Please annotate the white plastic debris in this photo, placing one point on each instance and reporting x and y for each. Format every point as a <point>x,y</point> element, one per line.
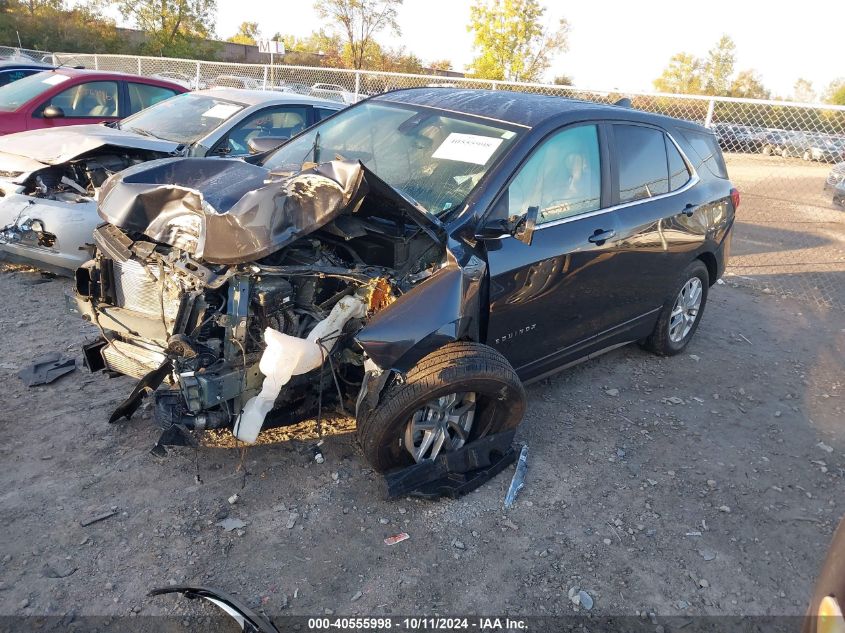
<point>518,480</point>
<point>287,356</point>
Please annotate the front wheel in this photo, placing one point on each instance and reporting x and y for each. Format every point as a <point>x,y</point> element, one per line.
<point>681,312</point>
<point>458,393</point>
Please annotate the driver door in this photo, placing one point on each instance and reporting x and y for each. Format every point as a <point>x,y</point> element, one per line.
<point>284,121</point>
<point>551,298</point>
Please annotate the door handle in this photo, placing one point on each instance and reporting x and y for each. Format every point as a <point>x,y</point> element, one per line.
<point>600,236</point>
<point>689,210</point>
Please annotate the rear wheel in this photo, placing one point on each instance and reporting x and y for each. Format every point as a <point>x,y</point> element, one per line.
<point>681,312</point>
<point>767,150</point>
<point>457,394</point>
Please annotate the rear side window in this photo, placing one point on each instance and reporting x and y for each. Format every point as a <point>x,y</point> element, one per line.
<point>707,148</point>
<point>323,113</point>
<point>9,76</point>
<point>144,95</point>
<point>678,172</point>
<point>641,156</point>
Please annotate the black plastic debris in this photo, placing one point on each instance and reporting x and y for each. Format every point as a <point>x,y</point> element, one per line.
<point>248,619</point>
<point>455,473</point>
<point>46,369</point>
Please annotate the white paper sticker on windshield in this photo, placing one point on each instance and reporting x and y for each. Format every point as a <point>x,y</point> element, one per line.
<point>467,148</point>
<point>221,111</point>
<point>54,80</point>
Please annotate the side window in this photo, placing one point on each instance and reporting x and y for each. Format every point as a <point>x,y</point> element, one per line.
<point>13,75</point>
<point>641,154</point>
<point>678,172</point>
<point>144,95</point>
<point>277,121</point>
<point>562,177</point>
<point>323,113</point>
<point>95,99</point>
<point>707,148</point>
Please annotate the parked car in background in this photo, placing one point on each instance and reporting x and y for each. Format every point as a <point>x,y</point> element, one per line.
<point>824,148</point>
<point>836,176</point>
<point>49,179</point>
<point>430,249</point>
<point>738,138</point>
<point>784,143</point>
<point>334,92</point>
<point>235,81</point>
<point>70,96</point>
<point>188,81</point>
<point>14,68</point>
<point>839,193</point>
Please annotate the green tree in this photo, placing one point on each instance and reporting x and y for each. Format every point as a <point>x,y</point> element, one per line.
<point>683,75</point>
<point>359,21</point>
<point>511,40</point>
<point>719,67</point>
<point>248,33</point>
<point>747,85</point>
<point>318,49</point>
<point>176,28</point>
<point>835,92</point>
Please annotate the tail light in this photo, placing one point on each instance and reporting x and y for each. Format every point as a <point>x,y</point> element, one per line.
<point>735,197</point>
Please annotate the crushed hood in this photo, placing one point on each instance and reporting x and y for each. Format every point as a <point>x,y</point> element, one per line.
<point>35,149</point>
<point>226,211</point>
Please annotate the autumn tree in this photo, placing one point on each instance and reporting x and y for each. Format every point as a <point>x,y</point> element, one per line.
<point>359,21</point>
<point>747,85</point>
<point>440,65</point>
<point>248,33</point>
<point>563,80</point>
<point>683,75</point>
<point>177,28</point>
<point>835,92</point>
<point>512,41</point>
<point>803,91</point>
<point>718,67</point>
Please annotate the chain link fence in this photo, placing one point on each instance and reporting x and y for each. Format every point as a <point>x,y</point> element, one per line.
<point>787,159</point>
<point>26,54</point>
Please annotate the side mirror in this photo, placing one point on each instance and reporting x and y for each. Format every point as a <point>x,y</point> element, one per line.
<point>52,112</point>
<point>523,230</point>
<point>261,144</point>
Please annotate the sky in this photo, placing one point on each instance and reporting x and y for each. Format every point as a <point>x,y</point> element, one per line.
<point>612,45</point>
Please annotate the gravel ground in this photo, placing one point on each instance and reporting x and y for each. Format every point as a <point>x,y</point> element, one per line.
<point>708,483</point>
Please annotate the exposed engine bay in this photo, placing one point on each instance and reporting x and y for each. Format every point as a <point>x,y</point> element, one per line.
<point>235,342</point>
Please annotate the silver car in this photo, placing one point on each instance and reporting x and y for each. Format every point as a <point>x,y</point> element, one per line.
<point>50,179</point>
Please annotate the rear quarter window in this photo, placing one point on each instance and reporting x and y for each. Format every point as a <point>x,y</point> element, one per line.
<point>706,146</point>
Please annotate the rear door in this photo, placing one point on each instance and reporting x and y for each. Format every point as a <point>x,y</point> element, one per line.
<point>659,226</point>
<point>550,299</point>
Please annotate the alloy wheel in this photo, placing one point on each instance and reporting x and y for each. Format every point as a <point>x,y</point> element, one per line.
<point>685,311</point>
<point>442,424</point>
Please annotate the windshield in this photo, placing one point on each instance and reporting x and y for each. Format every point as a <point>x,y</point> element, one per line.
<point>184,118</point>
<point>434,157</point>
<point>17,93</point>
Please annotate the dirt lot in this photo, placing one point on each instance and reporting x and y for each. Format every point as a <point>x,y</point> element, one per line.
<point>707,483</point>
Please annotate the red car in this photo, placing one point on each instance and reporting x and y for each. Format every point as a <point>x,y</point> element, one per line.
<point>68,96</point>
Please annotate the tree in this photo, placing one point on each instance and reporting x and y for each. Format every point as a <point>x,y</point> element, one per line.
<point>747,85</point>
<point>359,21</point>
<point>835,92</point>
<point>719,66</point>
<point>511,40</point>
<point>440,65</point>
<point>318,49</point>
<point>248,33</point>
<point>683,75</point>
<point>563,80</point>
<point>803,91</point>
<point>176,28</point>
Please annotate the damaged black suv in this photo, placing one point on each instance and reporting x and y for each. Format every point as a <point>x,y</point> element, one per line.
<point>414,258</point>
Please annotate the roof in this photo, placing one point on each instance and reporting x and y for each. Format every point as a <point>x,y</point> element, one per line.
<point>260,97</point>
<point>22,63</point>
<point>107,74</point>
<point>520,108</point>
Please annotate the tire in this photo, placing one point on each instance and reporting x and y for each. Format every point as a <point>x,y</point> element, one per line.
<point>457,368</point>
<point>661,340</point>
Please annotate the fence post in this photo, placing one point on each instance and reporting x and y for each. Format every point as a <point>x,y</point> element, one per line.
<point>264,85</point>
<point>357,84</point>
<point>197,80</point>
<point>492,85</point>
<point>139,65</point>
<point>710,107</point>
<point>96,62</point>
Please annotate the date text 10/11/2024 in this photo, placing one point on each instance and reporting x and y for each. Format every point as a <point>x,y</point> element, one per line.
<point>419,623</point>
